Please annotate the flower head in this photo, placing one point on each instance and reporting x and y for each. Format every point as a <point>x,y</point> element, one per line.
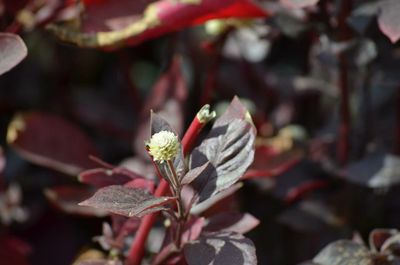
<point>163,146</point>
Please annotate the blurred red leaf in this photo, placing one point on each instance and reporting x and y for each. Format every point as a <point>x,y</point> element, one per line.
<point>101,177</point>
<point>14,251</point>
<point>12,51</point>
<point>66,198</point>
<point>137,21</point>
<point>51,142</point>
<point>270,162</point>
<point>13,6</point>
<point>389,19</point>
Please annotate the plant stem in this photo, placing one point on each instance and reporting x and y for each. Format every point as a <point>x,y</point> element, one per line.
<point>202,118</point>
<point>136,252</point>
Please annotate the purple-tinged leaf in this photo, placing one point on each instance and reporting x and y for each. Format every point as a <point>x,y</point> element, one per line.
<point>220,249</point>
<point>101,177</point>
<point>141,183</point>
<point>229,148</point>
<point>236,110</point>
<point>389,19</point>
<point>66,198</point>
<point>344,252</point>
<point>211,202</point>
<point>12,51</point>
<point>298,3</point>
<point>231,222</point>
<point>192,174</point>
<point>51,142</point>
<point>126,201</point>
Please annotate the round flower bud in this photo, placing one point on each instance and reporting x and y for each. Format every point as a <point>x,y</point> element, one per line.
<point>163,146</point>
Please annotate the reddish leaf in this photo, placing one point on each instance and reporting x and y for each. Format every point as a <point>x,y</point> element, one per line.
<point>229,148</point>
<point>145,20</point>
<point>14,251</point>
<point>101,177</point>
<point>232,222</point>
<point>126,201</point>
<point>221,200</point>
<point>389,19</point>
<point>12,51</point>
<point>51,142</point>
<point>66,198</point>
<point>192,174</point>
<point>141,183</point>
<point>299,3</point>
<point>220,249</point>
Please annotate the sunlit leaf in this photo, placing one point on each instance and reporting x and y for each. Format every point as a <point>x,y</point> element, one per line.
<point>126,201</point>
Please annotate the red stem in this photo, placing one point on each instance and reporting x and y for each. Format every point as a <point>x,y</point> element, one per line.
<point>137,249</point>
<point>191,135</point>
<point>298,192</point>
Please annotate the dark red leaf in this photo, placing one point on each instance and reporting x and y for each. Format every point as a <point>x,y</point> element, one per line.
<point>12,51</point>
<point>66,198</point>
<point>232,222</point>
<point>14,251</point>
<point>51,142</point>
<point>220,249</point>
<point>126,201</point>
<point>141,183</point>
<point>101,177</point>
<point>192,174</point>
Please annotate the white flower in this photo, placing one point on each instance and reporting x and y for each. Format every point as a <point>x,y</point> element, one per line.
<point>163,146</point>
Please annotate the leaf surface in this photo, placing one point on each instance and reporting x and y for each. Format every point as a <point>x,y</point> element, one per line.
<point>220,249</point>
<point>51,141</point>
<point>12,51</point>
<point>126,201</point>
